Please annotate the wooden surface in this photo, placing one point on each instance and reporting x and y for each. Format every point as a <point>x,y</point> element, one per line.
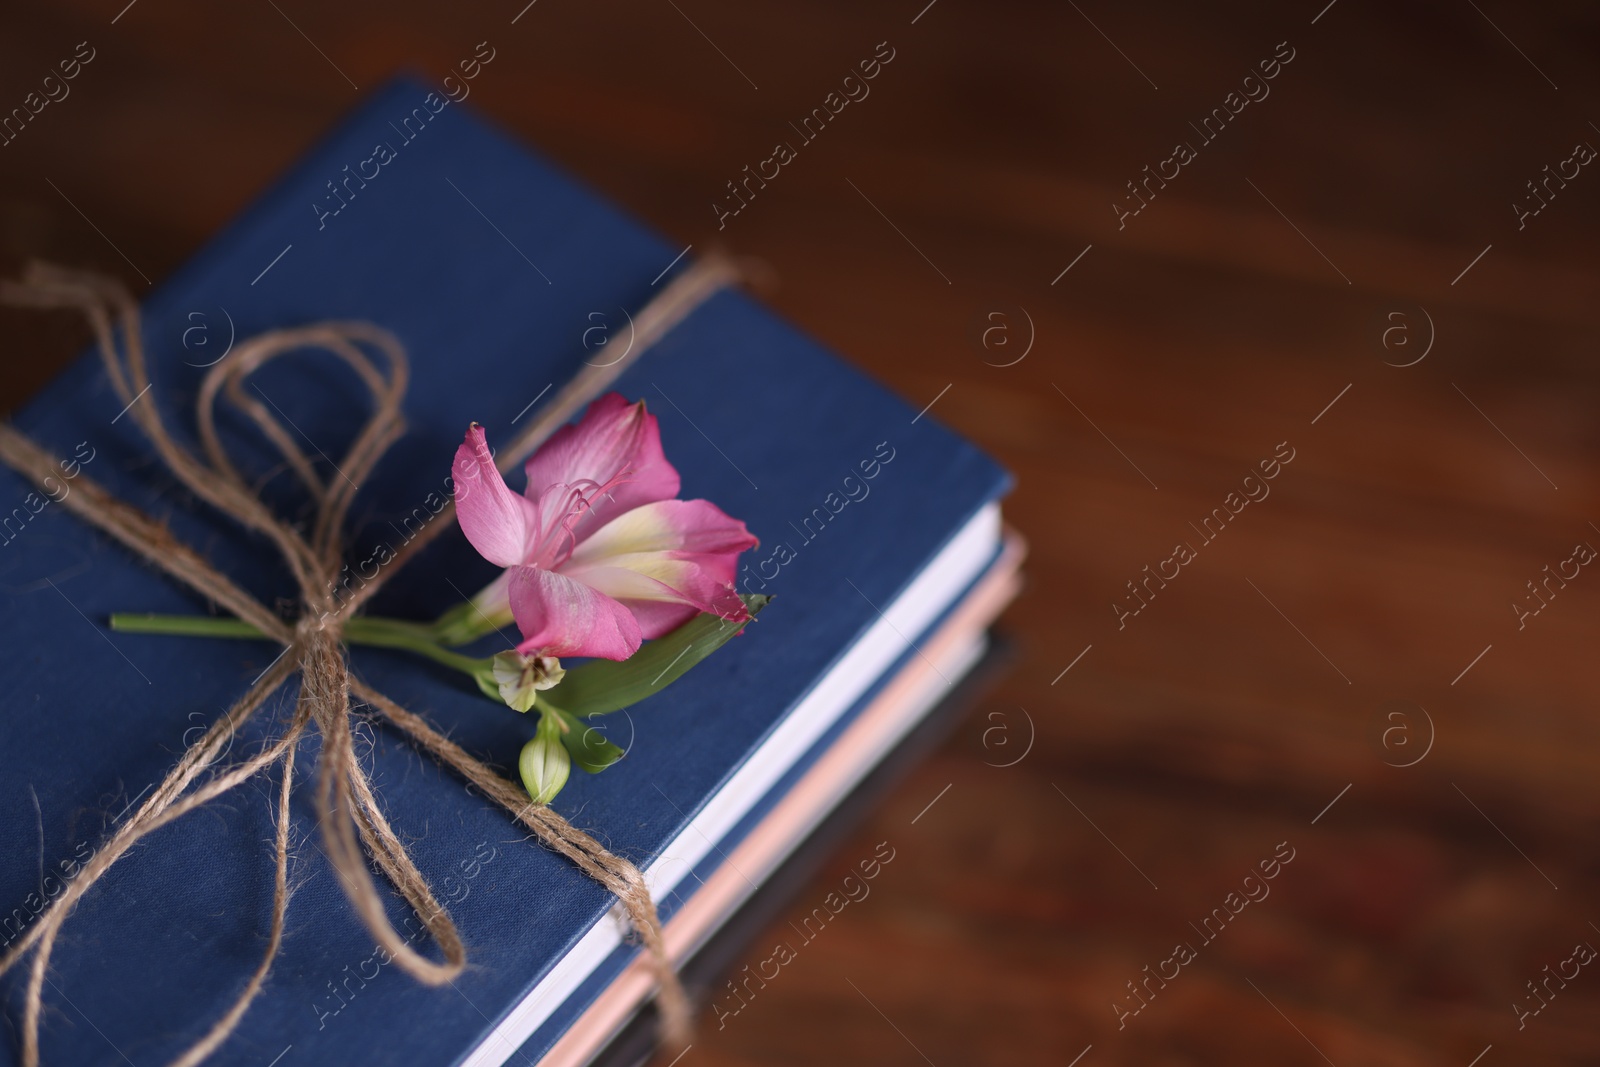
<point>1220,321</point>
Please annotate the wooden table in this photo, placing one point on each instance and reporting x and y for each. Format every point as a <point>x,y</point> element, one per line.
<point>1341,270</point>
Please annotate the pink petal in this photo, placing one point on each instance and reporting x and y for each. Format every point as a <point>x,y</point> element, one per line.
<point>674,592</point>
<point>666,561</point>
<point>614,440</point>
<point>562,617</point>
<point>657,618</point>
<point>675,526</point>
<point>501,525</point>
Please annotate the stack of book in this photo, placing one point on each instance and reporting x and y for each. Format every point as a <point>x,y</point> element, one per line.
<point>881,543</point>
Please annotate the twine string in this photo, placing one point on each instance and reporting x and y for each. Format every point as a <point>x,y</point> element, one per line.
<point>351,823</point>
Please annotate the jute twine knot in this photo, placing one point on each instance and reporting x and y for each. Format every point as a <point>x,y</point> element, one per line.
<point>354,831</point>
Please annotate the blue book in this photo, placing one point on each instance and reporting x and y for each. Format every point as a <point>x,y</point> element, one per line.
<point>490,265</point>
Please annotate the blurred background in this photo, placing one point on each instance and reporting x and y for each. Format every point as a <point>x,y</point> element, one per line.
<point>1378,260</point>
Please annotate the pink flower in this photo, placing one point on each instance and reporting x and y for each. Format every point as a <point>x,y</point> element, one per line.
<point>599,554</point>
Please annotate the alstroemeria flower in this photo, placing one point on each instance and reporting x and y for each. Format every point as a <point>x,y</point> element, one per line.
<point>599,554</point>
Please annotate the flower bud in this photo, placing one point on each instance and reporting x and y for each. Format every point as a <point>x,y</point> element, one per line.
<point>519,676</point>
<point>545,764</point>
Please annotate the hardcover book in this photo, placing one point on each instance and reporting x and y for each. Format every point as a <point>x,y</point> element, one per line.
<point>493,268</point>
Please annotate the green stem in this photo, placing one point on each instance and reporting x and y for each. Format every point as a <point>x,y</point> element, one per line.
<point>396,633</point>
<point>370,630</point>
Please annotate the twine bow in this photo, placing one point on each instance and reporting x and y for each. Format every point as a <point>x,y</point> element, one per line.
<point>351,822</point>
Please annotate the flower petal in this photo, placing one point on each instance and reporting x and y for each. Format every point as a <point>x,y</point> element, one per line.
<point>559,616</point>
<point>614,440</point>
<point>672,593</point>
<point>657,618</point>
<point>666,561</point>
<point>501,525</point>
<point>697,527</point>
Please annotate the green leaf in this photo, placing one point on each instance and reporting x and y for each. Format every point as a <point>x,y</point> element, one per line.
<point>603,686</point>
<point>587,746</point>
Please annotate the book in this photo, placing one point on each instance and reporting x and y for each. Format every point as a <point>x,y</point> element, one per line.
<point>733,941</point>
<point>796,810</point>
<point>489,264</point>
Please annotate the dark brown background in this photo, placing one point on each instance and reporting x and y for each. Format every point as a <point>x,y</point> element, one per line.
<point>1197,338</point>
